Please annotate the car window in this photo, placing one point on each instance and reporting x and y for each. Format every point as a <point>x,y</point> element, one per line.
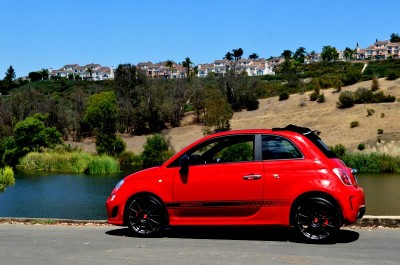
<point>277,147</point>
<point>227,149</point>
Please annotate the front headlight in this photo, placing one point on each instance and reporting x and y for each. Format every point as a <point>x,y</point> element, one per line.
<point>119,184</point>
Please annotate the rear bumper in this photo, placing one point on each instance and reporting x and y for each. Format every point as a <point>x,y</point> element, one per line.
<point>353,207</point>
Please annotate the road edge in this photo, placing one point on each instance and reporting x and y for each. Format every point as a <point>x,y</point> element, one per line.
<point>366,221</point>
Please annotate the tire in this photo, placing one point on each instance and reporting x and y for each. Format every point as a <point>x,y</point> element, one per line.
<point>316,219</point>
<point>146,216</point>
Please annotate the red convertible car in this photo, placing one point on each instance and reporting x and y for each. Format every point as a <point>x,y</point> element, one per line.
<point>282,176</point>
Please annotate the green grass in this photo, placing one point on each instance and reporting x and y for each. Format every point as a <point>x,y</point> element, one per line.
<point>372,162</point>
<point>69,162</point>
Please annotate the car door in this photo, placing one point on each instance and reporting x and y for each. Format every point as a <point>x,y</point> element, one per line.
<point>222,180</point>
<point>285,169</point>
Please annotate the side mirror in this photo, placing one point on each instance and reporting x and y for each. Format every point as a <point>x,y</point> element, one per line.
<point>185,162</point>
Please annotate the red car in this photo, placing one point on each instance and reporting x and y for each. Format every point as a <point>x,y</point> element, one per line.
<point>283,176</point>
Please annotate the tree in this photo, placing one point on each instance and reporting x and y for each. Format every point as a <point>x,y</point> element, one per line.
<point>10,75</point>
<point>102,114</point>
<point>35,76</point>
<point>90,71</point>
<point>394,37</point>
<point>287,54</point>
<point>45,74</point>
<point>228,56</point>
<point>187,63</point>
<point>329,53</point>
<point>253,56</point>
<point>237,54</point>
<point>348,53</point>
<point>218,113</point>
<point>300,55</point>
<point>30,135</point>
<point>155,151</point>
<point>8,81</point>
<point>170,65</point>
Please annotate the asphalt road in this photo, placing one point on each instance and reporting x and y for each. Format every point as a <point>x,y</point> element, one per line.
<point>54,244</point>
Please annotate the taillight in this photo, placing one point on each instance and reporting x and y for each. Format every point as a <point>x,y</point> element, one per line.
<point>343,176</point>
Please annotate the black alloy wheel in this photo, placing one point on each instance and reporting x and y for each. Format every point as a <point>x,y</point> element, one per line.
<point>316,220</point>
<point>146,216</point>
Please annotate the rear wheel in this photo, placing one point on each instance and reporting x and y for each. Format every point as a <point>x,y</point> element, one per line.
<point>316,219</point>
<point>146,216</point>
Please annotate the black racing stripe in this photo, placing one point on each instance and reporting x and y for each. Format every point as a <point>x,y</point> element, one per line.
<point>244,204</point>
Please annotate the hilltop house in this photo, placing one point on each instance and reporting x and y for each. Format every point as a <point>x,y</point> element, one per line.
<point>161,70</point>
<point>251,67</point>
<point>380,50</point>
<point>88,72</point>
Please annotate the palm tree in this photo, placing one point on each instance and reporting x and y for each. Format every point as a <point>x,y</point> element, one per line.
<point>170,65</point>
<point>228,56</point>
<point>237,53</point>
<point>253,56</point>
<point>187,63</point>
<point>90,71</point>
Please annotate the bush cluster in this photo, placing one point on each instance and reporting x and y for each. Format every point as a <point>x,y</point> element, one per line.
<point>354,124</point>
<point>6,178</point>
<point>72,162</point>
<point>347,99</point>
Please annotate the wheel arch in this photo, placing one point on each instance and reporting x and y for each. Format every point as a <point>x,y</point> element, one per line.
<point>125,217</point>
<point>311,194</point>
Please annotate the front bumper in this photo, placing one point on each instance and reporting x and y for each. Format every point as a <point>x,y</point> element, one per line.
<point>115,211</point>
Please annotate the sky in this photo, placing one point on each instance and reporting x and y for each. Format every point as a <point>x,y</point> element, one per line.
<point>44,34</point>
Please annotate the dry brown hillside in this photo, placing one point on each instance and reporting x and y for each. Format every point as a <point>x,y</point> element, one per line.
<point>334,123</point>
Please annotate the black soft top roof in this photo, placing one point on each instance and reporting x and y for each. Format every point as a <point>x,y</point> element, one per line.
<point>312,136</point>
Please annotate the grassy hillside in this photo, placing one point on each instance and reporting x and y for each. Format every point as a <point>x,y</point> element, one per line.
<point>334,123</point>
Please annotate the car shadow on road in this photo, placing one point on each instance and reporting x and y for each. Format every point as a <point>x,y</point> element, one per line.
<point>241,233</point>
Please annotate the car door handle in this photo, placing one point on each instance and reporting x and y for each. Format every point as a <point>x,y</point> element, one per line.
<point>251,177</point>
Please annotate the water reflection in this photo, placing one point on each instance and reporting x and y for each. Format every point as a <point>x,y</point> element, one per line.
<point>382,192</point>
<point>69,196</point>
<point>78,196</point>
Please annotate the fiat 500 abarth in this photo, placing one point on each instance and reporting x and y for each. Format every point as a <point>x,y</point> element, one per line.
<point>281,176</point>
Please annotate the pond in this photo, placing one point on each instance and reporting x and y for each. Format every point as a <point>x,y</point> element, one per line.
<point>83,197</point>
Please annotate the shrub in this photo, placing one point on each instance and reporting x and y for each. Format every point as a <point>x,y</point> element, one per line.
<point>363,95</point>
<point>346,99</point>
<point>380,131</point>
<point>6,178</point>
<point>252,104</point>
<point>71,162</point>
<point>313,96</point>
<point>370,112</point>
<point>129,158</point>
<point>321,98</point>
<point>284,95</point>
<point>382,115</point>
<point>361,147</point>
<point>102,165</point>
<point>354,124</point>
<point>372,162</point>
<point>393,75</point>
<point>339,150</point>
<point>351,78</point>
<point>375,83</point>
<point>155,151</point>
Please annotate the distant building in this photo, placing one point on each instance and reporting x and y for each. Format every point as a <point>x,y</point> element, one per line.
<point>251,67</point>
<point>92,71</point>
<point>380,50</point>
<point>161,70</point>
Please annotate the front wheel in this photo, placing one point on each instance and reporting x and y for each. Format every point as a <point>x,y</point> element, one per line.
<point>146,216</point>
<point>316,219</point>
